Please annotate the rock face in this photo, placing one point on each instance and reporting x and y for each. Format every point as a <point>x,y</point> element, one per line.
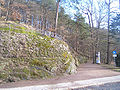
<point>25,54</point>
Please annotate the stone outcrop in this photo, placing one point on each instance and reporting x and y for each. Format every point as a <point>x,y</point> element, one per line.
<point>25,54</point>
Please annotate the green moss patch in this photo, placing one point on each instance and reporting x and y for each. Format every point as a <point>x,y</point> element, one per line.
<point>29,55</point>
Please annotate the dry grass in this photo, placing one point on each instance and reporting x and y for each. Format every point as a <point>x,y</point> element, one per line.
<point>112,67</point>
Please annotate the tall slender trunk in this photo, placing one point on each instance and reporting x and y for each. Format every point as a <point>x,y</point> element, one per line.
<point>93,43</point>
<point>92,29</point>
<point>57,11</point>
<point>25,17</point>
<point>108,41</point>
<point>90,49</point>
<point>42,26</point>
<point>7,14</point>
<point>40,23</point>
<point>32,21</point>
<point>96,42</point>
<point>76,42</point>
<point>91,25</point>
<point>0,10</point>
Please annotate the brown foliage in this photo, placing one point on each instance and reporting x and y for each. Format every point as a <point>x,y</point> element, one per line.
<point>51,29</point>
<point>15,8</point>
<point>2,2</point>
<point>16,16</point>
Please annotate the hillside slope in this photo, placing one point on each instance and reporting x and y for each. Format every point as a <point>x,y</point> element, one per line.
<point>25,54</point>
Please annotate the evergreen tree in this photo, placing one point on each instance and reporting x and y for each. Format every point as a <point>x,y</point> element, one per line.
<point>115,25</point>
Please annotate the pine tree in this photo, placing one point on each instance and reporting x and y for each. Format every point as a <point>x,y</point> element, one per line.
<point>115,25</point>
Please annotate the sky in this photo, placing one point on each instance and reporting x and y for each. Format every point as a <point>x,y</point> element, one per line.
<point>71,11</point>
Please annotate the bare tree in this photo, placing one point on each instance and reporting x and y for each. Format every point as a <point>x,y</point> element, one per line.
<point>88,9</point>
<point>56,18</point>
<point>100,13</point>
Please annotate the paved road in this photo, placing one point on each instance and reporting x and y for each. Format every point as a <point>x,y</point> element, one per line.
<point>110,86</point>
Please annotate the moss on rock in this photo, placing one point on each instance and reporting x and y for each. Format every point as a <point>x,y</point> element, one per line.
<point>26,54</point>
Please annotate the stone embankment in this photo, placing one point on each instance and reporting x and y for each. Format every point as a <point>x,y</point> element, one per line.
<point>25,54</point>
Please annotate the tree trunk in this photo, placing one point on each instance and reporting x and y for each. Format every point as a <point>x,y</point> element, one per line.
<point>93,43</point>
<point>32,21</point>
<point>42,25</point>
<point>8,7</point>
<point>92,29</point>
<point>76,42</point>
<point>108,46</point>
<point>0,10</point>
<point>57,11</point>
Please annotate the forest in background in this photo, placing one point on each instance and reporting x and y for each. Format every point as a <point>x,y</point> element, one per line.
<point>83,38</point>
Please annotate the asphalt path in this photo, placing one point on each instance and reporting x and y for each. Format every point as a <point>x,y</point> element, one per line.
<point>108,86</point>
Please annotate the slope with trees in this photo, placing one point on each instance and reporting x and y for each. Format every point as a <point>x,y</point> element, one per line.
<point>83,31</point>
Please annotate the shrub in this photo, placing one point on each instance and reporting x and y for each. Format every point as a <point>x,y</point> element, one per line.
<point>118,60</point>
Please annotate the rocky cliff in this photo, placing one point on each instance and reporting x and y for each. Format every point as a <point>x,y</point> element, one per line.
<point>25,54</point>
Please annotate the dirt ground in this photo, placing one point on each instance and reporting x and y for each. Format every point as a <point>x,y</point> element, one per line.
<point>84,72</point>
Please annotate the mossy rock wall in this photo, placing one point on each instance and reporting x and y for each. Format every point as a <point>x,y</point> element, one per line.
<point>26,54</point>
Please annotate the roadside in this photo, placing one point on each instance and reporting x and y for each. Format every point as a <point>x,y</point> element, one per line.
<point>85,72</point>
<point>112,67</point>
